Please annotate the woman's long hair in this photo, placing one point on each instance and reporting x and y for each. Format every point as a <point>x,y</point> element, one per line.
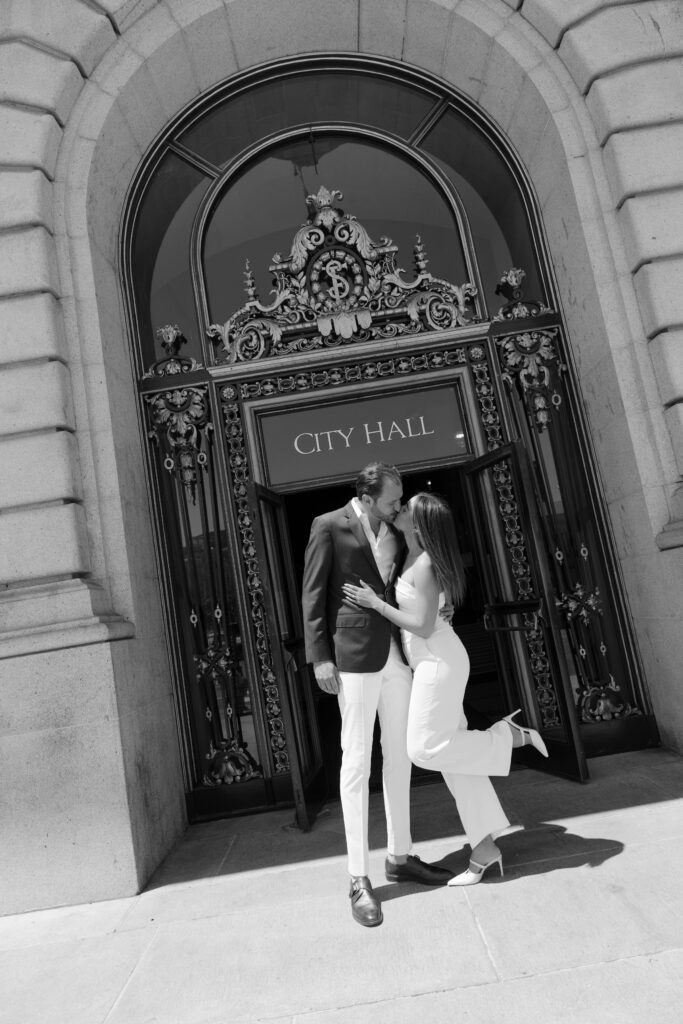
<point>435,530</point>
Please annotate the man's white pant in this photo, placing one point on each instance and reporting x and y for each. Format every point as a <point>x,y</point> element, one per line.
<point>362,696</point>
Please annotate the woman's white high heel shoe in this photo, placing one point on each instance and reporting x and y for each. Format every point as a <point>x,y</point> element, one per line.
<point>471,877</point>
<point>530,736</point>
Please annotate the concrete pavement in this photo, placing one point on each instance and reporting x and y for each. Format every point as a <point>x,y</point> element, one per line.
<point>248,920</point>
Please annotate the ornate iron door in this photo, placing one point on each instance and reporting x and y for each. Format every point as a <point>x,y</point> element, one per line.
<point>520,604</point>
<point>345,316</point>
<point>283,612</point>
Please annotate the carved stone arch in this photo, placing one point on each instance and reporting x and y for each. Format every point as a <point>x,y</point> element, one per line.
<point>104,143</point>
<point>123,107</point>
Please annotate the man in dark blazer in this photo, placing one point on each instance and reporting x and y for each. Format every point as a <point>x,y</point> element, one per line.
<point>356,654</point>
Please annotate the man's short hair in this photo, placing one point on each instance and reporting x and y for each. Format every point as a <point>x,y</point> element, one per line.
<point>372,477</point>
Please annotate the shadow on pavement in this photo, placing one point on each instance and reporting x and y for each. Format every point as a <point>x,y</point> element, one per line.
<point>534,851</point>
<point>535,800</point>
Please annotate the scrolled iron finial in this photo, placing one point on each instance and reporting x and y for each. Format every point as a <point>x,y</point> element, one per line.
<point>420,254</point>
<point>323,198</point>
<point>338,286</point>
<point>250,282</point>
<point>171,339</point>
<point>510,284</point>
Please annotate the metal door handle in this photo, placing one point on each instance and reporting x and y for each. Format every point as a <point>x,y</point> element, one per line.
<point>512,608</point>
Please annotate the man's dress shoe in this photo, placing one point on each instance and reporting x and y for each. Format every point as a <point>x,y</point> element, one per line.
<point>365,906</point>
<point>414,870</point>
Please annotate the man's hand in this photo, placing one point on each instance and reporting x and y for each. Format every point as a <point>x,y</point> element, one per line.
<point>447,612</point>
<point>327,676</point>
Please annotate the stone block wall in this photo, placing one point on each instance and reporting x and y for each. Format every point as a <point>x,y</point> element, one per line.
<point>590,95</point>
<point>93,795</point>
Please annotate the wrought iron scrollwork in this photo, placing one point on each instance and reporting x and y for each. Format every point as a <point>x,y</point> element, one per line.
<point>357,372</point>
<point>603,702</point>
<point>228,763</point>
<point>181,427</point>
<point>517,307</point>
<point>527,360</point>
<point>599,697</point>
<point>520,569</point>
<point>171,339</point>
<point>182,416</point>
<point>219,681</point>
<point>530,359</point>
<point>579,603</point>
<point>486,396</point>
<point>239,471</point>
<point>338,286</point>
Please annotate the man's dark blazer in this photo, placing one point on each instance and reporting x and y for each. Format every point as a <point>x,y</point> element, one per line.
<point>355,639</point>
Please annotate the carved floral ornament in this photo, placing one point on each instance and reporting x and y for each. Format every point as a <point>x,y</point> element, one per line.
<point>539,661</point>
<point>229,759</point>
<point>517,307</point>
<point>527,359</point>
<point>337,286</point>
<point>171,340</point>
<point>181,417</point>
<point>580,603</point>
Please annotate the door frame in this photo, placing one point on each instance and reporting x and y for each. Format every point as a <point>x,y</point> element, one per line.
<point>258,402</point>
<point>237,392</point>
<point>531,615</point>
<point>286,631</point>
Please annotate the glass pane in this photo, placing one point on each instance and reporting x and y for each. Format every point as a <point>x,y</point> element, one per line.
<point>222,693</point>
<point>279,574</point>
<point>265,206</point>
<point>601,678</point>
<point>161,256</point>
<point>286,599</point>
<point>498,221</point>
<point>304,99</point>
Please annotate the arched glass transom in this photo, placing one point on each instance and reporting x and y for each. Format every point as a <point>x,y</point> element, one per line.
<point>229,183</point>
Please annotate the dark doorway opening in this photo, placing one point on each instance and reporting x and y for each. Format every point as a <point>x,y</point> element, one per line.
<point>485,699</point>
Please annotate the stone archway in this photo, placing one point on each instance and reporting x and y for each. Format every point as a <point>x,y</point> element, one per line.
<point>105,80</point>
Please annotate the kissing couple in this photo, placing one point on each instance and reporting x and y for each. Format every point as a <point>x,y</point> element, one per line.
<point>382,643</point>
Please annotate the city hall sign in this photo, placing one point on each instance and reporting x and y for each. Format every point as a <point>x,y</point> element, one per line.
<point>335,440</point>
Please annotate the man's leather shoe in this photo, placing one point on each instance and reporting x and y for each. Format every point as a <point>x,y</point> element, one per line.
<point>413,870</point>
<point>365,906</point>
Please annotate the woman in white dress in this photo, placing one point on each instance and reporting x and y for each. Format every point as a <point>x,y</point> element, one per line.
<point>438,737</point>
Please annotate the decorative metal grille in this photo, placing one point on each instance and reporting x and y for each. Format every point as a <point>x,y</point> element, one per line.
<point>526,360</point>
<point>181,428</point>
<point>239,470</point>
<point>486,396</point>
<point>354,373</point>
<point>530,364</point>
<point>517,307</point>
<point>535,371</point>
<point>515,543</point>
<point>338,286</point>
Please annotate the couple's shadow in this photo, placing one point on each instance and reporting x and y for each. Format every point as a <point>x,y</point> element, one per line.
<point>536,850</point>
